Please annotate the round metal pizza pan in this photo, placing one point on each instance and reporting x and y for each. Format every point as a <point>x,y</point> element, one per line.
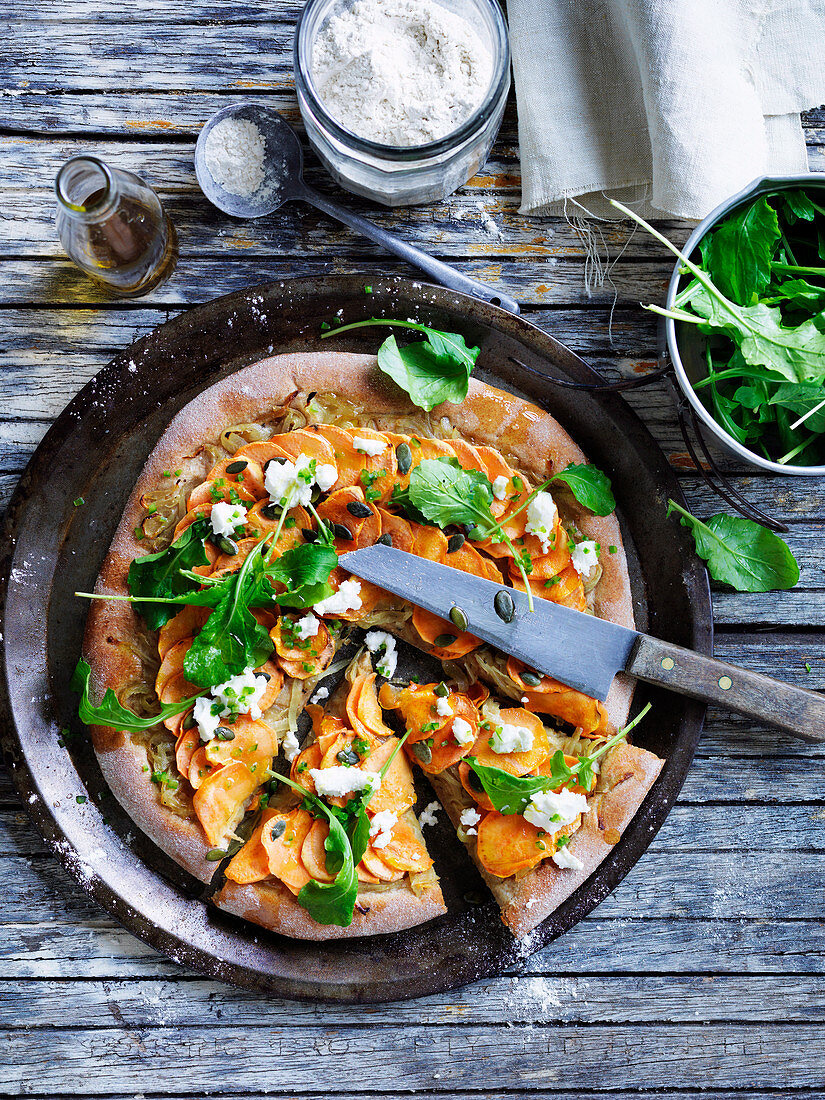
<point>53,547</point>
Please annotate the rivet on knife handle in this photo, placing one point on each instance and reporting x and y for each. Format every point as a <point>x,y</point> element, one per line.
<point>794,709</point>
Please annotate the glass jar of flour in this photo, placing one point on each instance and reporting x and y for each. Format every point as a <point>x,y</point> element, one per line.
<point>402,99</point>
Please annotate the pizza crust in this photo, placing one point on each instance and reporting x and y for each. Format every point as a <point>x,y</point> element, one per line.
<point>518,429</point>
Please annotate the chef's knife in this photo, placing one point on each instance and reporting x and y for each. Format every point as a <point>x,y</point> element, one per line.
<point>581,650</point>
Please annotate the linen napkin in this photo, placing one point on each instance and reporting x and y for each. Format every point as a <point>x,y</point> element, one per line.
<point>669,105</point>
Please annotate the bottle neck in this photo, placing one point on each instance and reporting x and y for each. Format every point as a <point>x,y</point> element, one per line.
<point>86,189</point>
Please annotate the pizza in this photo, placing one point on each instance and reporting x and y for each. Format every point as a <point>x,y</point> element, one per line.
<point>242,688</point>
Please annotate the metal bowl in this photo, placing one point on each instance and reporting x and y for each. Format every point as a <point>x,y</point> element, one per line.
<point>686,345</point>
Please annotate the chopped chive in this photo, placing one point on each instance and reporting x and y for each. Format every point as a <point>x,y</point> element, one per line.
<point>78,502</point>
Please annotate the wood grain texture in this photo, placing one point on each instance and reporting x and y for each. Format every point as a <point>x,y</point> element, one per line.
<point>705,970</point>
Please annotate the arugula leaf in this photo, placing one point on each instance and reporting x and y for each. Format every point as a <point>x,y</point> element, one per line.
<point>590,486</point>
<point>737,254</point>
<point>444,493</point>
<point>510,794</point>
<point>333,902</point>
<point>305,570</point>
<point>801,399</point>
<point>432,370</point>
<point>796,206</point>
<point>798,293</point>
<point>232,639</point>
<point>158,575</point>
<point>111,712</point>
<point>741,553</point>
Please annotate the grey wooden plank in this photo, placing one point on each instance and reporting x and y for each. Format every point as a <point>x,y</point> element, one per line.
<point>57,11</point>
<point>594,999</point>
<point>579,1093</point>
<point>68,946</point>
<point>40,1062</point>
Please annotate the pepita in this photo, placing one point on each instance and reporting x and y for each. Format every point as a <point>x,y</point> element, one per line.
<point>237,467</point>
<point>359,510</point>
<point>423,751</point>
<point>532,679</point>
<point>270,511</point>
<point>404,456</point>
<point>444,640</point>
<point>229,546</point>
<point>342,532</point>
<point>278,829</point>
<point>224,734</point>
<point>505,608</point>
<point>455,542</point>
<point>458,617</point>
<point>385,540</point>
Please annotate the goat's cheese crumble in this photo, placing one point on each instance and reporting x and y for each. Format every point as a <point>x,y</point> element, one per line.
<point>375,641</point>
<point>307,627</point>
<point>427,815</point>
<point>585,557</point>
<point>510,738</point>
<point>542,514</point>
<point>469,819</point>
<point>336,782</point>
<point>347,598</point>
<point>371,447</point>
<point>239,694</point>
<point>565,858</point>
<point>443,708</point>
<point>381,828</point>
<point>224,518</point>
<point>500,487</point>
<point>552,810</point>
<point>463,732</point>
<point>290,483</point>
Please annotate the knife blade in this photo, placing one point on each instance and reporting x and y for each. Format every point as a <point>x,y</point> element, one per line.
<point>584,651</point>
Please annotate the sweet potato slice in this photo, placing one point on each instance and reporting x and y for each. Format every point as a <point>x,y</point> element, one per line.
<point>251,863</point>
<point>398,529</point>
<point>397,791</point>
<point>254,744</point>
<point>304,442</point>
<point>548,563</point>
<point>172,663</point>
<point>299,658</point>
<point>251,477</point>
<point>310,757</point>
<point>404,851</point>
<point>472,785</point>
<point>174,690</point>
<point>507,844</point>
<point>185,624</point>
<point>467,455</point>
<point>441,637</point>
<point>445,750</point>
<point>199,768</point>
<point>261,451</point>
<point>335,510</point>
<point>283,838</point>
<point>187,744</point>
<point>314,854</point>
<point>363,710</point>
<point>348,461</point>
<point>259,521</point>
<point>219,801</point>
<point>231,563</point>
<point>573,707</point>
<point>210,492</point>
<point>375,866</point>
<point>566,587</point>
<point>516,763</point>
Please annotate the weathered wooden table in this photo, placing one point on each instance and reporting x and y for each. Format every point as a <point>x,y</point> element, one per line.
<point>704,970</point>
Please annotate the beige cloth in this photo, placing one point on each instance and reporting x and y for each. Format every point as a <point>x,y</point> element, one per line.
<point>670,105</point>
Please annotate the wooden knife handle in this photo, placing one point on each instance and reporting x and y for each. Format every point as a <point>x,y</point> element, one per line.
<point>796,710</point>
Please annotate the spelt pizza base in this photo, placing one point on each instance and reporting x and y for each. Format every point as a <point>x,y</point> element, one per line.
<point>519,430</point>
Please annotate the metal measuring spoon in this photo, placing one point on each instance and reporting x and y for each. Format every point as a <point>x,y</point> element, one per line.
<point>284,181</point>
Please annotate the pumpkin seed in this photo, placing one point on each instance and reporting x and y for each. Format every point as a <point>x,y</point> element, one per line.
<point>385,540</point>
<point>458,617</point>
<point>505,608</point>
<point>532,679</point>
<point>347,756</point>
<point>237,467</point>
<point>309,534</point>
<point>265,675</point>
<point>359,510</point>
<point>189,721</point>
<point>404,456</point>
<point>444,640</point>
<point>229,546</point>
<point>270,511</point>
<point>215,855</point>
<point>278,829</point>
<point>455,542</point>
<point>342,532</point>
<point>224,734</point>
<point>423,751</point>
<point>441,690</point>
<point>278,458</point>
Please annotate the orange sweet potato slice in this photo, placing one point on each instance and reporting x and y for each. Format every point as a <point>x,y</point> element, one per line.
<point>397,791</point>
<point>573,707</point>
<point>467,455</point>
<point>291,533</point>
<point>310,757</point>
<point>348,461</point>
<point>507,844</point>
<point>174,690</point>
<point>334,510</point>
<point>199,768</point>
<point>210,492</point>
<point>187,744</point>
<point>445,750</point>
<point>230,563</point>
<point>314,854</point>
<point>472,785</point>
<point>363,710</point>
<point>305,442</point>
<point>296,661</point>
<point>185,624</point>
<point>398,529</point>
<point>219,801</point>
<point>441,637</point>
<point>251,477</point>
<point>374,865</point>
<point>172,663</point>
<point>283,847</point>
<point>254,744</point>
<point>404,851</point>
<point>548,563</point>
<point>516,763</point>
<point>364,875</point>
<point>251,863</point>
<point>262,451</point>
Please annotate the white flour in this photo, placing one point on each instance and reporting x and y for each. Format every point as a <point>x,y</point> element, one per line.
<point>234,155</point>
<point>400,72</point>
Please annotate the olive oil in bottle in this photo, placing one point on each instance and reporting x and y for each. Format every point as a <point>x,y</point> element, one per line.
<point>113,227</point>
